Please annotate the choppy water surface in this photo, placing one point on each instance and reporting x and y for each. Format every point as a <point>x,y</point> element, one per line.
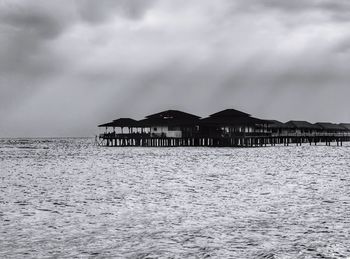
<point>69,198</point>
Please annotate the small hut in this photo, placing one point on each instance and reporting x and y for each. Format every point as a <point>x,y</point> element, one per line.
<point>120,124</point>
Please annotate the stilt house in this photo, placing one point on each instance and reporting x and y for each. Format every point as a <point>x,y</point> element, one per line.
<point>231,122</point>
<point>301,127</point>
<point>171,124</point>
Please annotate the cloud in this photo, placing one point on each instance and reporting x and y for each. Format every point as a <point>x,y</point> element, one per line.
<point>331,6</point>
<point>66,68</point>
<point>29,33</point>
<point>98,11</point>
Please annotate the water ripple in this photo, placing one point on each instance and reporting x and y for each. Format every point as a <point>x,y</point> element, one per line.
<point>68,198</point>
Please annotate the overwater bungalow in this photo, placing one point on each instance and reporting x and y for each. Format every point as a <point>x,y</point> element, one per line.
<point>302,127</point>
<point>229,127</point>
<point>331,128</point>
<point>117,126</point>
<point>231,123</point>
<point>346,126</point>
<point>171,124</point>
<point>279,128</point>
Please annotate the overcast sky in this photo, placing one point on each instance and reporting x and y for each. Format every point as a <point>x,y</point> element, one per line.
<point>66,66</point>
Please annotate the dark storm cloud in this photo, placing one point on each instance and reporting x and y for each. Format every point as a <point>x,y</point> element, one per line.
<point>66,67</point>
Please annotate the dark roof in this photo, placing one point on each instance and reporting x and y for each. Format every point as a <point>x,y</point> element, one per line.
<point>330,126</point>
<point>108,124</point>
<point>302,125</point>
<point>148,122</point>
<point>231,121</point>
<point>172,114</point>
<point>170,118</point>
<point>125,122</point>
<point>345,125</point>
<point>274,124</point>
<point>232,113</point>
<point>121,122</point>
<point>231,117</point>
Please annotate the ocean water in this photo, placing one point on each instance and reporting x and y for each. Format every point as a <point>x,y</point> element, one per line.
<point>66,198</point>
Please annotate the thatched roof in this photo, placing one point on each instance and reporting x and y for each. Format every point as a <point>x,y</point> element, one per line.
<point>121,122</point>
<point>231,113</point>
<point>170,118</point>
<point>302,125</point>
<point>274,124</point>
<point>330,126</point>
<point>231,121</point>
<point>125,122</point>
<point>108,124</point>
<point>172,114</point>
<point>149,122</point>
<point>231,117</point>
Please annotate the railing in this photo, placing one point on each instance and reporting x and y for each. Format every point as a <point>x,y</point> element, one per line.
<point>231,135</point>
<point>113,135</point>
<point>315,134</point>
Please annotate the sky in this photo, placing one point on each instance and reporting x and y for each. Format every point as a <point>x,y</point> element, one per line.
<point>68,65</point>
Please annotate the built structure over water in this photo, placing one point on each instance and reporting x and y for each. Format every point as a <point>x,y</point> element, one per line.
<point>227,128</point>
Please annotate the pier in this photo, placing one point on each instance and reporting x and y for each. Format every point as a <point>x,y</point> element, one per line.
<point>228,128</point>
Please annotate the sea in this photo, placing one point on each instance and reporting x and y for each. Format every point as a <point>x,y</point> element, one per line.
<point>69,198</point>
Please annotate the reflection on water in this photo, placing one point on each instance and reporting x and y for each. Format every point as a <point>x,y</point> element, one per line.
<point>69,198</point>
